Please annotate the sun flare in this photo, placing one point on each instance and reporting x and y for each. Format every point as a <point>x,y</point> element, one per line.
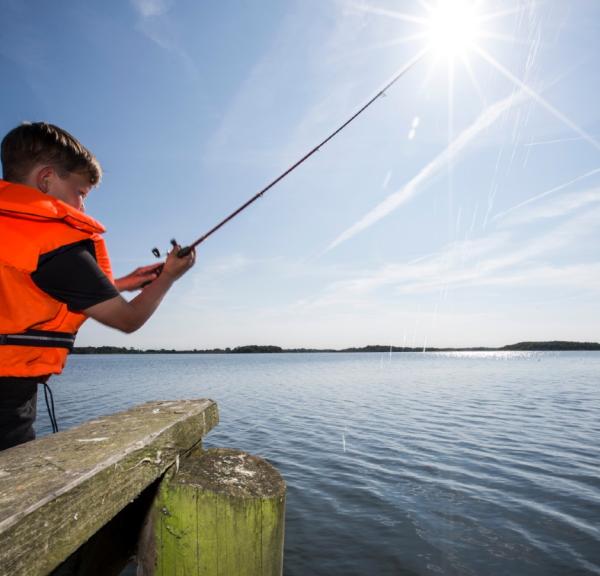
<point>455,30</point>
<point>453,27</point>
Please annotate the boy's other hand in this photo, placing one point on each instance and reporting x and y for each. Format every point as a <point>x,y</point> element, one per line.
<point>139,277</point>
<point>175,267</point>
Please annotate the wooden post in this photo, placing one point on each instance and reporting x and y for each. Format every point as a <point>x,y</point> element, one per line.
<point>222,513</point>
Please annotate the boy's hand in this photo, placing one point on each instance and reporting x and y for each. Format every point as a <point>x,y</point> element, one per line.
<point>175,267</point>
<point>139,277</point>
<point>129,316</point>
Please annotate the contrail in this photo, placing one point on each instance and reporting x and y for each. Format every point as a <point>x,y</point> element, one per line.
<point>391,13</point>
<point>554,141</point>
<point>546,193</point>
<point>485,119</point>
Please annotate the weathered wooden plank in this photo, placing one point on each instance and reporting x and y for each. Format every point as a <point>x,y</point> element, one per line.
<point>59,490</point>
<point>114,546</point>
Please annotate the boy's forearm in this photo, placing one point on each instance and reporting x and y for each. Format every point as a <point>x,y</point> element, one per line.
<point>148,300</point>
<point>129,316</point>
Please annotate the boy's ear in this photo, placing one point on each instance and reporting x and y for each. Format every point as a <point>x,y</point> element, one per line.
<point>44,177</point>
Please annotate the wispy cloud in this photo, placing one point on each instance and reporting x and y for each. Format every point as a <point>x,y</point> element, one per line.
<point>451,153</point>
<point>553,190</point>
<point>266,86</point>
<point>556,208</point>
<point>215,282</point>
<point>154,22</point>
<point>555,141</point>
<point>235,264</point>
<point>147,8</point>
<point>503,258</point>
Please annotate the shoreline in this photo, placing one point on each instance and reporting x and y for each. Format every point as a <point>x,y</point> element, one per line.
<point>548,346</point>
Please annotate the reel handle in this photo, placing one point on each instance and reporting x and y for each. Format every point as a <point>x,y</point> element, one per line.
<point>182,253</point>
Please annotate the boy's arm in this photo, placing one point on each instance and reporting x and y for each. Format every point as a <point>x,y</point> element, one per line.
<point>129,316</point>
<point>138,278</point>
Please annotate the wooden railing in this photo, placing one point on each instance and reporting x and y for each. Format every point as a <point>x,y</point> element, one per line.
<point>139,483</point>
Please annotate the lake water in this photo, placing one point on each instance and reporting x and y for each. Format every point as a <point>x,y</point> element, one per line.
<point>436,463</point>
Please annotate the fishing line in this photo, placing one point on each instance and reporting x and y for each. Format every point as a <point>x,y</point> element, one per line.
<point>186,250</point>
<point>50,406</point>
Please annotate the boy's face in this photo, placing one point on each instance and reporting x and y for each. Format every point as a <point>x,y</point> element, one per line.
<point>71,189</point>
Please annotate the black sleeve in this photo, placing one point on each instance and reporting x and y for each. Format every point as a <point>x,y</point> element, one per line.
<point>71,275</point>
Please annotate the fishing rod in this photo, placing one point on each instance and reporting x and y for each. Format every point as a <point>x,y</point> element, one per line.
<point>187,249</point>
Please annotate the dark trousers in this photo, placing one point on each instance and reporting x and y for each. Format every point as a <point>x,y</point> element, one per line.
<point>18,406</point>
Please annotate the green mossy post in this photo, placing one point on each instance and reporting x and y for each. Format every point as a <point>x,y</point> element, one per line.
<point>221,514</point>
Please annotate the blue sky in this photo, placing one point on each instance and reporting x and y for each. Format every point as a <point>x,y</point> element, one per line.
<point>449,214</point>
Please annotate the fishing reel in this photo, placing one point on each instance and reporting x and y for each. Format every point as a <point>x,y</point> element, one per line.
<point>183,252</point>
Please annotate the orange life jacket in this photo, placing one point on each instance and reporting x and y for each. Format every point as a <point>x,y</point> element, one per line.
<point>37,331</point>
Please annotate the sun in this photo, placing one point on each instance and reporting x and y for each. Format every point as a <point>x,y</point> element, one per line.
<point>453,27</point>
<point>453,30</point>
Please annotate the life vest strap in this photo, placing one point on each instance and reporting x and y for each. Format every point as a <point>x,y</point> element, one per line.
<point>39,339</point>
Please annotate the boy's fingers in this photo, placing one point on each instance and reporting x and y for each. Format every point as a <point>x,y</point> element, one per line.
<point>149,269</point>
<point>151,272</point>
<point>191,257</point>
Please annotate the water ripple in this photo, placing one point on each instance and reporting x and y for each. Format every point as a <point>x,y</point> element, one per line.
<point>411,464</point>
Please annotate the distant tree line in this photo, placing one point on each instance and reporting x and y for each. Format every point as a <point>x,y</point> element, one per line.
<point>555,345</point>
<point>552,345</point>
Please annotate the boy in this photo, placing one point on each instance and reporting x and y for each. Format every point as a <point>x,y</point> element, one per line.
<point>54,269</point>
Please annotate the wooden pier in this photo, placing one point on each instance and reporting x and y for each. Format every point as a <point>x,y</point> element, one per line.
<point>83,501</point>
